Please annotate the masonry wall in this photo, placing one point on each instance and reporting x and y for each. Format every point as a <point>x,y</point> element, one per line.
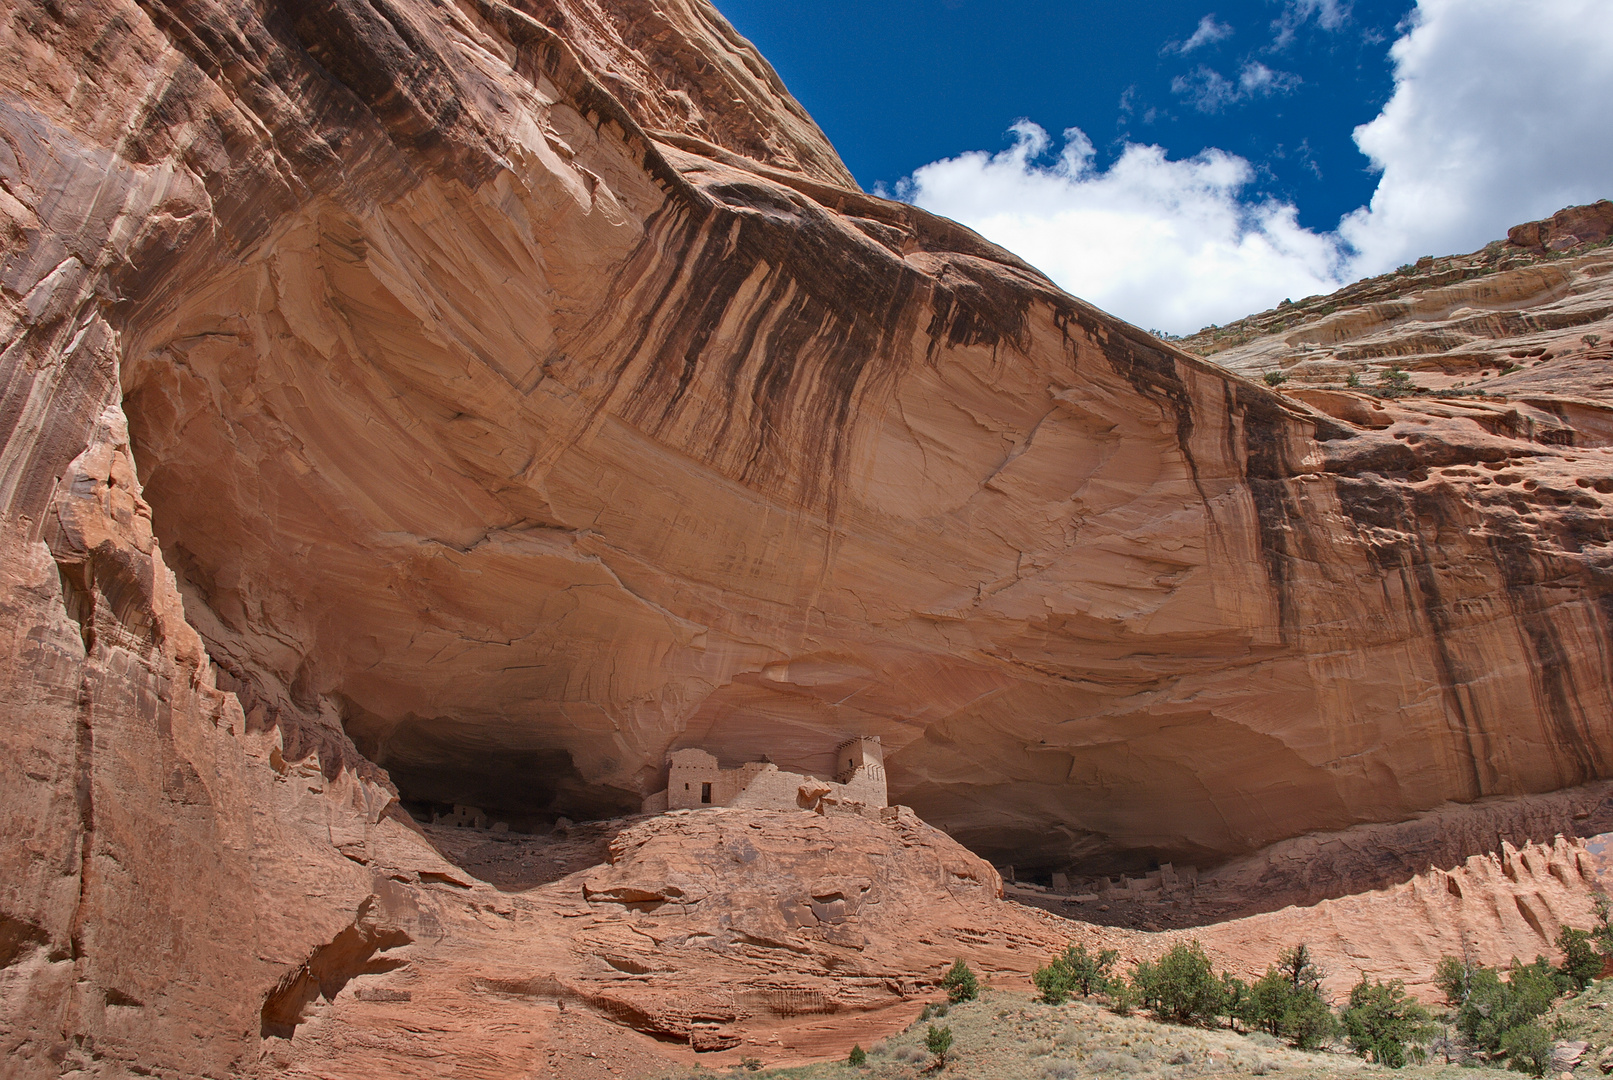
<point>760,785</point>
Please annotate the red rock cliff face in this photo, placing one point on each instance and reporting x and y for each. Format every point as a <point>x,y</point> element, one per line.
<point>519,391</point>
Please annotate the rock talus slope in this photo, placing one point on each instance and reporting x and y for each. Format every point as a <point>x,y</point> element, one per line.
<point>475,400</point>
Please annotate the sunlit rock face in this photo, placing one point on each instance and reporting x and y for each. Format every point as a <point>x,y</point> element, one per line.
<point>521,392</point>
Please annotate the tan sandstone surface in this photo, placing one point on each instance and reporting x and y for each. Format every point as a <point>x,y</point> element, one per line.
<point>475,401</point>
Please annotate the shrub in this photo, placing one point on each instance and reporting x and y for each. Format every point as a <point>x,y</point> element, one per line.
<point>1263,1008</point>
<point>1393,382</point>
<point>1453,977</point>
<point>1075,972</point>
<point>1591,339</point>
<point>1491,1007</point>
<point>960,983</point>
<point>858,1055</point>
<point>1382,1021</point>
<point>1602,932</point>
<point>938,1041</point>
<point>1300,968</point>
<point>1052,984</point>
<point>1287,1000</point>
<point>1181,987</point>
<point>1528,1049</point>
<point>1353,381</point>
<point>1307,1020</point>
<point>1580,963</point>
<point>1275,378</point>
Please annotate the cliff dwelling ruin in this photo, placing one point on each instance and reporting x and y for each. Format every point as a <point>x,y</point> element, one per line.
<point>695,781</point>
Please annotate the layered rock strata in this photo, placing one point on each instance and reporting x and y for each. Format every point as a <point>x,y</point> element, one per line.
<point>516,392</point>
<point>1530,315</point>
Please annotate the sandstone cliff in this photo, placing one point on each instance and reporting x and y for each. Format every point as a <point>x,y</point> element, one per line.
<point>482,399</point>
<point>520,429</point>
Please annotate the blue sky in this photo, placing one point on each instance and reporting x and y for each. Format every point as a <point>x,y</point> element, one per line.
<point>897,84</point>
<point>1188,161</point>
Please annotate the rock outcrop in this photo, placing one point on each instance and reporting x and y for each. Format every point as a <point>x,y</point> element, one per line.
<point>1531,315</point>
<point>722,933</point>
<point>472,402</point>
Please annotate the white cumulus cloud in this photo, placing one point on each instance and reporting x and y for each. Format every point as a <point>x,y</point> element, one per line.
<point>1499,115</point>
<point>1166,244</point>
<point>1502,112</point>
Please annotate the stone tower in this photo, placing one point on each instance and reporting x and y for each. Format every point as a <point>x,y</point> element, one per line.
<point>860,766</point>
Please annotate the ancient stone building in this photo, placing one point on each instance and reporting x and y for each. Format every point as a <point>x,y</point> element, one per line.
<point>696,781</point>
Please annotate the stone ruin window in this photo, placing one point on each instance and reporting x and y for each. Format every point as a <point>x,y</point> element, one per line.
<point>705,793</point>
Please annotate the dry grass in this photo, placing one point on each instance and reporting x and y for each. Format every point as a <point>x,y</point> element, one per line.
<point>1007,1035</point>
<point>1588,1016</point>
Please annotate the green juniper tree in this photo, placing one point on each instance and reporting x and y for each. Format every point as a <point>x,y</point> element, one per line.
<point>1490,1009</point>
<point>1181,986</point>
<point>938,1041</point>
<point>1075,971</point>
<point>1235,997</point>
<point>1581,963</point>
<point>1287,1000</point>
<point>1381,1021</point>
<point>1528,1049</point>
<point>960,983</point>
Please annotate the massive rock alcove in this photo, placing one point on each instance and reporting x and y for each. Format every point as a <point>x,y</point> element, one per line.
<point>516,418</point>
